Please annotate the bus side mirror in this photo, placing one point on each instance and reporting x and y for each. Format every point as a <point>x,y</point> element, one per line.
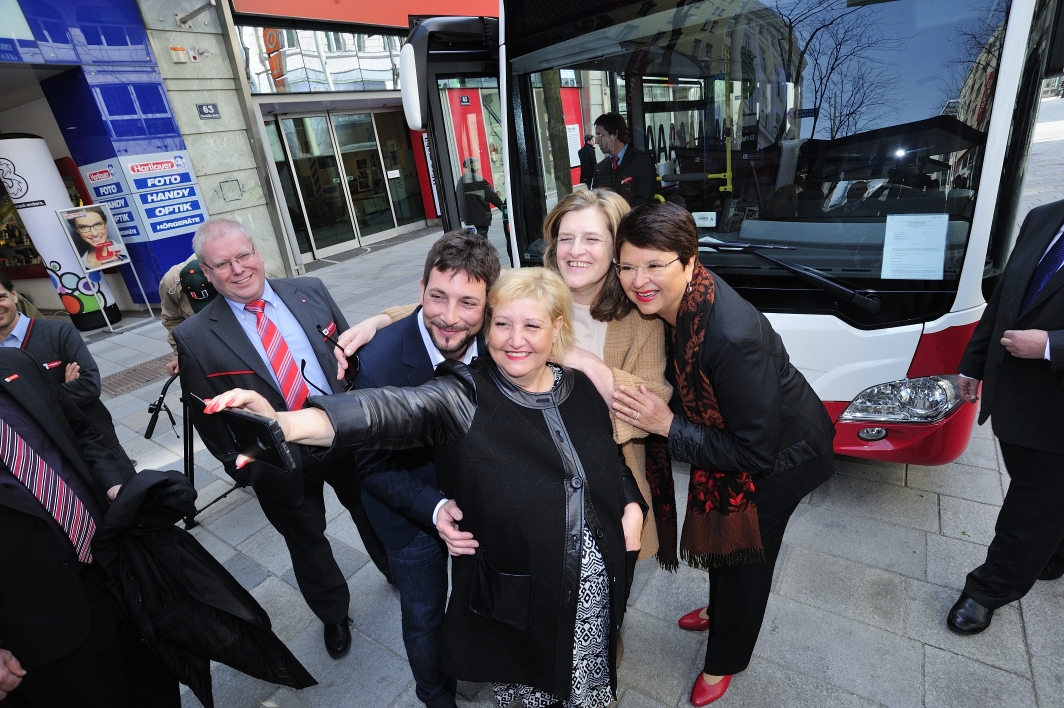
<point>411,87</point>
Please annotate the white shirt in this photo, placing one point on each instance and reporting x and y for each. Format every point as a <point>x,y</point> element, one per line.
<point>590,333</point>
<point>436,358</point>
<point>294,336</point>
<point>18,332</point>
<point>1051,244</point>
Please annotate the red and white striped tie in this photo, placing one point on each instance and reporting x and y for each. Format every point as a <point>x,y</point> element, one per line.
<point>293,388</point>
<point>51,491</point>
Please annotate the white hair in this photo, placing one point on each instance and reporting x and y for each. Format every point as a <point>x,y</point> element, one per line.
<point>215,229</point>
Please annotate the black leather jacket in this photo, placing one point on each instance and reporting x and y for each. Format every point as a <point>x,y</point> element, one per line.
<point>529,471</point>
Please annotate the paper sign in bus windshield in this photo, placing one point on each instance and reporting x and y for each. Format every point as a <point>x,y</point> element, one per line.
<point>914,246</point>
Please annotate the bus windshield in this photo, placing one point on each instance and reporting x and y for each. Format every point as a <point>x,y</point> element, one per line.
<point>851,130</point>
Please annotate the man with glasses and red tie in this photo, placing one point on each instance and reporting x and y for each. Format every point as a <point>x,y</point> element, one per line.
<point>626,169</point>
<point>263,335</point>
<point>1017,351</point>
<point>63,638</point>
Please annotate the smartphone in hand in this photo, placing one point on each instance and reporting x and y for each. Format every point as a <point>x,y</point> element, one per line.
<point>254,436</point>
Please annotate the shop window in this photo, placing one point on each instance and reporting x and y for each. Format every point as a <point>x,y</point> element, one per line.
<point>150,99</point>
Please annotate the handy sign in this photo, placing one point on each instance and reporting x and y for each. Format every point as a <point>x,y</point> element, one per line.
<point>208,111</point>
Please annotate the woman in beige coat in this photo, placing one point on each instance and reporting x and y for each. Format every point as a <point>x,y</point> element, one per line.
<point>616,345</point>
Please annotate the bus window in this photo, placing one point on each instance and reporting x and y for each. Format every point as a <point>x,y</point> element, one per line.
<point>566,105</point>
<point>471,119</point>
<point>806,124</point>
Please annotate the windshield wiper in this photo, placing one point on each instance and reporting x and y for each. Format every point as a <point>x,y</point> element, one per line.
<point>809,275</point>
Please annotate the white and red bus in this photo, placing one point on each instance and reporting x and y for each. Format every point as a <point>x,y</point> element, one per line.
<point>854,166</point>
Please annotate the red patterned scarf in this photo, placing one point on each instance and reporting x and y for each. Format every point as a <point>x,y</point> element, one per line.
<point>721,526</point>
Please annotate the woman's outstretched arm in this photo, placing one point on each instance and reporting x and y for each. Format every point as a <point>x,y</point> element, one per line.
<point>437,412</point>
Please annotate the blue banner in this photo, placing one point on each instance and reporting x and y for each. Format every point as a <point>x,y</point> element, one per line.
<point>163,196</point>
<point>191,221</point>
<point>174,209</point>
<point>102,191</point>
<point>142,183</point>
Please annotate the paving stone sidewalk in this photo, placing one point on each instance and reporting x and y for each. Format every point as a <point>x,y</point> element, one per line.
<point>871,563</point>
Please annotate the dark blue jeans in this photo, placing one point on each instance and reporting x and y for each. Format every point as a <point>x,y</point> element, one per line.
<point>419,571</point>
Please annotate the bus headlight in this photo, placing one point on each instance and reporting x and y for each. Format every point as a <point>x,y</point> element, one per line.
<point>923,400</point>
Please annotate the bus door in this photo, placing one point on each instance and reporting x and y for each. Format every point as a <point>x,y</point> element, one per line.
<point>450,78</point>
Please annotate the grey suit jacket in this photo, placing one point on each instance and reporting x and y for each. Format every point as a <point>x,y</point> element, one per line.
<point>215,355</point>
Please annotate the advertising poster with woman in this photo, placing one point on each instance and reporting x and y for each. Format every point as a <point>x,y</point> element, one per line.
<point>94,236</point>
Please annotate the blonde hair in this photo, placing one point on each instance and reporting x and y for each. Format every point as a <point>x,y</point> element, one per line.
<point>612,303</point>
<point>545,287</point>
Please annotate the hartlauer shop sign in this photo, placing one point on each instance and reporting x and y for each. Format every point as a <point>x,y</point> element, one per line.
<point>395,13</point>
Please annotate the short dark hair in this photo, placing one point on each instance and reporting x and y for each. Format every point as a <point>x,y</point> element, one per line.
<point>613,123</point>
<point>660,227</point>
<point>6,283</point>
<point>468,252</point>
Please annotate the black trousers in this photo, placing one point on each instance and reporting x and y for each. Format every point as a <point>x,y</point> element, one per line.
<point>738,596</point>
<point>112,668</point>
<point>320,580</point>
<point>1030,528</point>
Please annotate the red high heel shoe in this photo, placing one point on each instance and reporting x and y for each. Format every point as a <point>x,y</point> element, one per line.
<point>693,621</point>
<point>703,693</point>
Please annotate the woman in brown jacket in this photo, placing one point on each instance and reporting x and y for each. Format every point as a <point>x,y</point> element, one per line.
<point>615,344</point>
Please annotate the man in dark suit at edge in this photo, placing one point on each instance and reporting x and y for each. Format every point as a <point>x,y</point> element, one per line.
<point>1017,351</point>
<point>63,638</point>
<point>258,335</point>
<point>626,169</point>
<point>399,488</point>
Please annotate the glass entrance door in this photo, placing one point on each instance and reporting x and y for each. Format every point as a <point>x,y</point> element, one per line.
<point>348,179</point>
<point>320,179</point>
<point>366,181</point>
<point>399,167</point>
<point>292,199</point>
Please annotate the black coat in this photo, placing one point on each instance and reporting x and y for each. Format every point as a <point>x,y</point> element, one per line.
<point>776,426</point>
<point>506,457</point>
<point>1024,396</point>
<point>216,356</point>
<point>636,178</point>
<point>187,607</point>
<point>54,344</point>
<point>44,614</point>
<point>587,163</point>
<point>475,198</point>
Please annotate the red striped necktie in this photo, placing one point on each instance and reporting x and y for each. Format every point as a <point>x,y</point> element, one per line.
<point>614,162</point>
<point>51,491</point>
<point>293,388</point>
